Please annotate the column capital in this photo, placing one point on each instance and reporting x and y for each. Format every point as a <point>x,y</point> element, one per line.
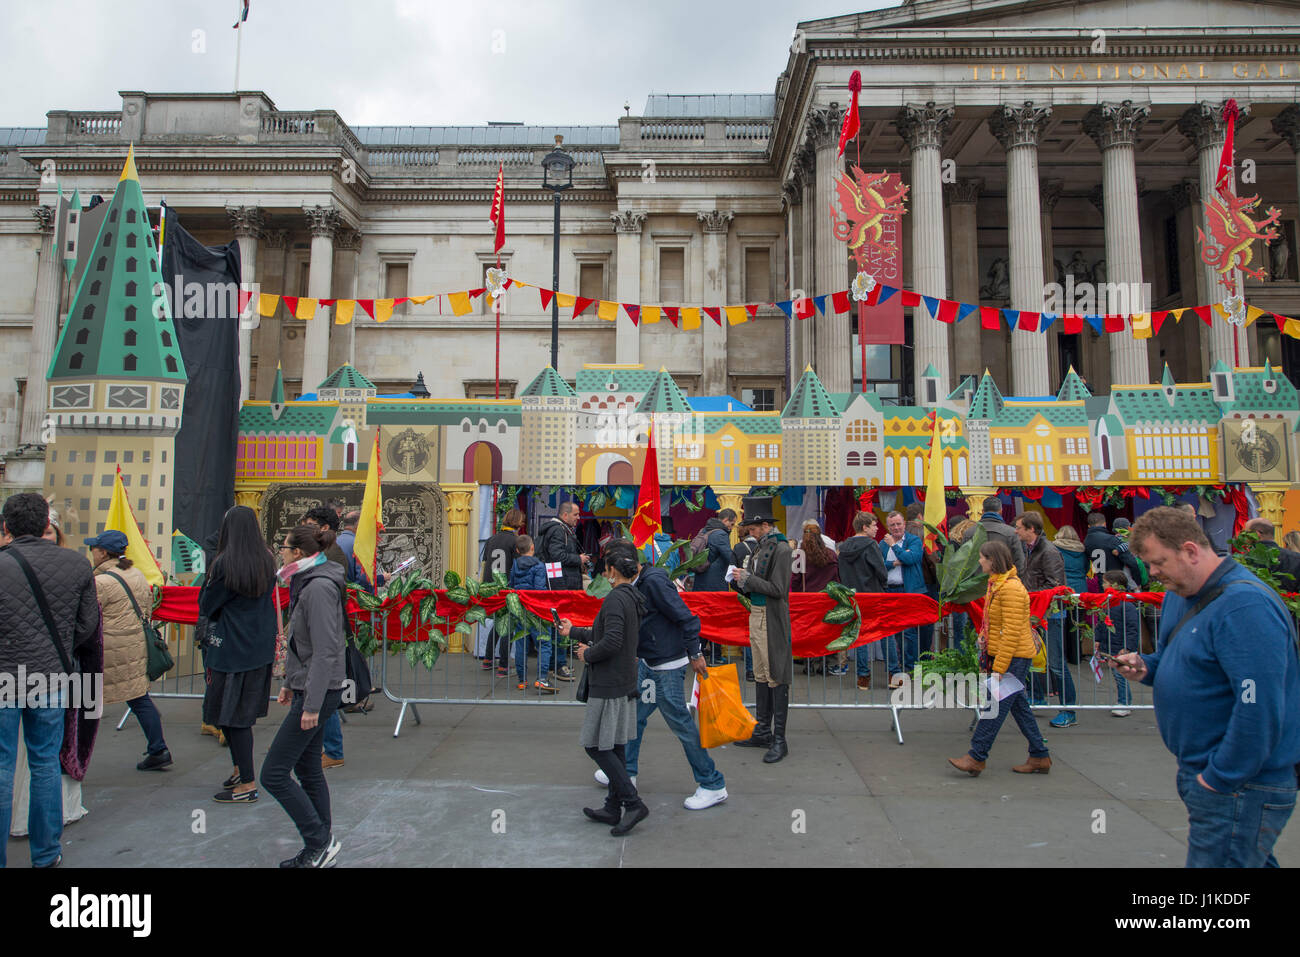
<point>1186,193</point>
<point>964,191</point>
<point>924,127</point>
<point>275,238</point>
<point>45,216</point>
<point>348,239</point>
<point>716,220</point>
<point>322,220</point>
<point>805,165</point>
<point>1097,196</point>
<point>1015,126</point>
<point>1203,123</point>
<point>1287,125</point>
<point>792,191</point>
<point>246,221</point>
<point>824,126</point>
<point>628,220</point>
<point>1049,193</point>
<point>1115,124</point>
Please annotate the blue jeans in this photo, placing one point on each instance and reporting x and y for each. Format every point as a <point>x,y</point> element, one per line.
<point>543,656</point>
<point>1234,830</point>
<point>906,641</point>
<point>1121,688</point>
<point>665,693</point>
<point>1057,668</point>
<point>986,729</point>
<point>332,740</point>
<point>749,660</point>
<point>561,652</point>
<point>42,730</point>
<point>146,712</point>
<point>958,621</point>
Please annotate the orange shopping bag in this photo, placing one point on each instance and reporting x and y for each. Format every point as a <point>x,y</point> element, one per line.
<point>722,713</point>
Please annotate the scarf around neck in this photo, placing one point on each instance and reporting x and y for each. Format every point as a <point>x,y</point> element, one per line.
<point>288,571</point>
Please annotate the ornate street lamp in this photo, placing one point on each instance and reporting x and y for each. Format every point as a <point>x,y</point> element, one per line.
<point>557,176</point>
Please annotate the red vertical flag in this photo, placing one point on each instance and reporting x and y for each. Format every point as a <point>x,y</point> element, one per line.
<point>498,217</point>
<point>647,521</point>
<point>851,123</point>
<point>1223,177</point>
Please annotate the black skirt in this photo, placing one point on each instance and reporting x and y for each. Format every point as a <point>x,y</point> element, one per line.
<point>237,699</point>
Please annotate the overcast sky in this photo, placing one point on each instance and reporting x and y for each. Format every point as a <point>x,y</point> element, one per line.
<point>402,62</point>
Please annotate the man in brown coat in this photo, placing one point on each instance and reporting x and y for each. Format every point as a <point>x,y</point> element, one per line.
<point>767,582</point>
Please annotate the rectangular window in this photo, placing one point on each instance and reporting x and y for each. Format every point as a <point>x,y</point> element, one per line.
<point>396,279</point>
<point>772,452</point>
<point>1085,473</point>
<point>672,275</point>
<point>141,505</point>
<point>681,475</point>
<point>103,505</point>
<point>1083,446</point>
<point>1011,474</point>
<point>126,480</point>
<point>162,480</point>
<point>144,456</point>
<point>69,479</point>
<point>774,474</point>
<point>160,505</point>
<point>144,479</point>
<point>84,505</point>
<point>591,281</point>
<point>106,480</point>
<point>72,456</point>
<point>997,448</point>
<point>164,455</point>
<point>758,274</point>
<point>110,457</point>
<point>90,455</point>
<point>759,451</point>
<point>54,456</point>
<point>87,479</point>
<point>128,456</point>
<point>160,531</point>
<point>762,475</point>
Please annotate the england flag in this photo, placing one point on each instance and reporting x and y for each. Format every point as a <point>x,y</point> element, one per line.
<point>553,570</point>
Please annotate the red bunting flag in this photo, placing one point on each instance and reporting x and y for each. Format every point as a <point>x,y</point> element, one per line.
<point>1073,323</point>
<point>714,313</point>
<point>990,317</point>
<point>753,310</point>
<point>1227,161</point>
<point>672,312</point>
<point>1202,313</point>
<point>291,303</point>
<point>1028,321</point>
<point>580,305</point>
<point>546,295</point>
<point>1114,323</point>
<point>851,123</point>
<point>910,298</point>
<point>498,215</point>
<point>803,308</point>
<point>368,305</point>
<point>840,301</point>
<point>1158,320</point>
<point>633,312</point>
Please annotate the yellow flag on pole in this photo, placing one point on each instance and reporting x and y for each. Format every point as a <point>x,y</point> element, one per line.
<point>122,519</point>
<point>371,522</point>
<point>936,509</point>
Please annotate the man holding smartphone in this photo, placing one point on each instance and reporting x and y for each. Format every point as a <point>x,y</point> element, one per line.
<point>1226,680</point>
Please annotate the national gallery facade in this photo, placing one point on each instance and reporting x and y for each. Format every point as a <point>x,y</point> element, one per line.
<point>1039,150</point>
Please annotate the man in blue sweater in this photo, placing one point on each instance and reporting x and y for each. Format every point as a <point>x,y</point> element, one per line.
<point>669,640</point>
<point>1226,680</point>
<point>903,553</point>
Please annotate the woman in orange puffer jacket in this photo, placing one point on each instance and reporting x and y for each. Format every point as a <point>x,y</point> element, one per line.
<point>1011,647</point>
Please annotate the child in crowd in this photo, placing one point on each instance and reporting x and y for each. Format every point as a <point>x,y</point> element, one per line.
<point>529,574</point>
<point>1119,631</point>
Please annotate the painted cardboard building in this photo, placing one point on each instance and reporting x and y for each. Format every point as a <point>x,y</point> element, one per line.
<point>1241,426</point>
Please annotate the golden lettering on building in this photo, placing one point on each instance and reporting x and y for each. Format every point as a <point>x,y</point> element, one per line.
<point>1133,70</point>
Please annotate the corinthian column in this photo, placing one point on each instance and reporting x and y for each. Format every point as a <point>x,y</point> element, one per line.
<point>247,223</point>
<point>1203,125</point>
<point>1114,128</point>
<point>925,128</point>
<point>45,328</point>
<point>1017,128</point>
<point>832,358</point>
<point>323,221</point>
<point>715,223</point>
<point>628,224</point>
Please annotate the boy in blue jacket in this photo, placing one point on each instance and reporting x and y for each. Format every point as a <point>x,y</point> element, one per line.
<point>529,574</point>
<point>1121,631</point>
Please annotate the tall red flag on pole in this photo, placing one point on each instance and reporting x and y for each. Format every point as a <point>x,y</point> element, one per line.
<point>1223,177</point>
<point>647,520</point>
<point>851,124</point>
<point>498,216</point>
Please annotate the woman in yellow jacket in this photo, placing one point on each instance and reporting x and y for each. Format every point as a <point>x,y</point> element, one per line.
<point>1011,648</point>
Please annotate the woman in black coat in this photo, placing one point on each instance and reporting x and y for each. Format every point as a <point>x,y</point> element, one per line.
<point>238,599</point>
<point>608,648</point>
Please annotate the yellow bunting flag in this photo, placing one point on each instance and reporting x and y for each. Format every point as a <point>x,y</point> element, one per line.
<point>421,300</point>
<point>267,304</point>
<point>343,310</point>
<point>460,303</point>
<point>1291,328</point>
<point>649,315</point>
<point>690,318</point>
<point>607,310</point>
<point>383,310</point>
<point>371,522</point>
<point>306,308</point>
<point>1177,314</point>
<point>736,315</point>
<point>1253,313</point>
<point>1141,322</point>
<point>121,519</point>
<point>565,300</point>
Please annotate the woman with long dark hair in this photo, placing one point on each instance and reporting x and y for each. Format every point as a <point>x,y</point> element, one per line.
<point>608,649</point>
<point>314,673</point>
<point>820,564</point>
<point>238,598</point>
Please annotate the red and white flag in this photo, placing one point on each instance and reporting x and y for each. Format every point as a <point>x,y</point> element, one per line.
<point>498,215</point>
<point>553,570</point>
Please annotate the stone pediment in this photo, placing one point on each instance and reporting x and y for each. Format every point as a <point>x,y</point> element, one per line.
<point>1023,17</point>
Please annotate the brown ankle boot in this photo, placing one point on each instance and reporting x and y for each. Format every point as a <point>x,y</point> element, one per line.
<point>1034,766</point>
<point>968,764</point>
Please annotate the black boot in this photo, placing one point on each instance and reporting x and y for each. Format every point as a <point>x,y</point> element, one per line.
<point>609,814</point>
<point>780,709</point>
<point>634,812</point>
<point>762,736</point>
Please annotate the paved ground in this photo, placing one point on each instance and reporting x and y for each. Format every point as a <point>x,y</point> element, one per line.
<point>847,795</point>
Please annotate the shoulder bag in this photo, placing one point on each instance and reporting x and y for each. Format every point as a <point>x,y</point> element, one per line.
<point>160,658</point>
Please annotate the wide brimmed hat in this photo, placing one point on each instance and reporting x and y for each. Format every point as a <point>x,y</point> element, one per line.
<point>758,508</point>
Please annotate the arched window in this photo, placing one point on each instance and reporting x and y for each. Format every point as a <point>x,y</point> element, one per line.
<point>853,460</point>
<point>869,460</point>
<point>171,364</point>
<point>88,313</point>
<point>464,426</point>
<point>861,430</point>
<point>130,337</point>
<point>130,313</point>
<point>101,264</point>
<point>108,239</point>
<point>94,288</point>
<point>501,427</point>
<point>74,362</point>
<point>166,338</point>
<point>130,264</point>
<point>128,363</point>
<point>131,288</point>
<point>130,240</point>
<point>889,470</point>
<point>83,336</point>
<point>130,215</point>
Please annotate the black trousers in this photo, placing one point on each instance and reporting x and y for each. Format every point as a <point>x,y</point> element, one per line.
<point>614,763</point>
<point>241,751</point>
<point>307,800</point>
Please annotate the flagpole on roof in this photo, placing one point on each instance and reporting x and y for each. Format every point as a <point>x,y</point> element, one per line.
<point>239,38</point>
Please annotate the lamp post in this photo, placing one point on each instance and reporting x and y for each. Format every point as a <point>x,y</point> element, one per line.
<point>557,176</point>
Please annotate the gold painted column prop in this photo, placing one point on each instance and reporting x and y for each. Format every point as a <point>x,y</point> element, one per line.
<point>1270,498</point>
<point>975,501</point>
<point>460,509</point>
<point>252,498</point>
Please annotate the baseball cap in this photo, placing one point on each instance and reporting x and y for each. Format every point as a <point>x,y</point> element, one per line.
<point>110,541</point>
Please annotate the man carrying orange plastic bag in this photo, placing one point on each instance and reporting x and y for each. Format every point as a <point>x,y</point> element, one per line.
<point>669,641</point>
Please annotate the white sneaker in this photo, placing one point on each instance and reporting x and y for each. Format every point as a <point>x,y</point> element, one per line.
<point>1120,712</point>
<point>603,779</point>
<point>703,798</point>
<point>331,853</point>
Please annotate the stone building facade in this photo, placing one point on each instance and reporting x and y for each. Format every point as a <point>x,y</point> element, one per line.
<point>1033,152</point>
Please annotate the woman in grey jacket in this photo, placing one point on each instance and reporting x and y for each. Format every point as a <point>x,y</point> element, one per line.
<point>314,673</point>
<point>608,649</point>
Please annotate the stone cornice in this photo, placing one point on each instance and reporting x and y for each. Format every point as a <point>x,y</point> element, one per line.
<point>20,195</point>
<point>1115,124</point>
<point>378,193</point>
<point>965,45</point>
